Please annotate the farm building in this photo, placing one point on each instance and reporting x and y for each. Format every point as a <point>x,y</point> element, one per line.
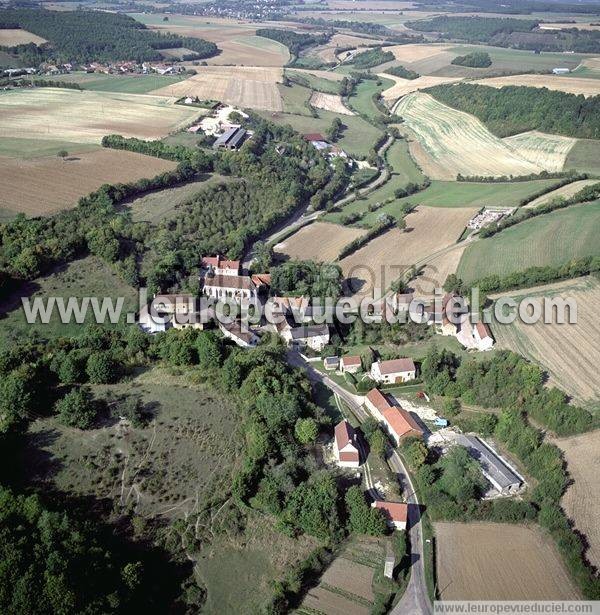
<point>398,422</point>
<point>231,139</point>
<point>397,370</point>
<point>345,445</point>
<point>561,71</point>
<point>351,364</point>
<point>395,513</point>
<point>495,470</point>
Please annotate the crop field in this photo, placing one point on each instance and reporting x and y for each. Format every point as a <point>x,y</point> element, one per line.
<point>569,352</point>
<point>346,587</point>
<point>546,151</point>
<point>498,561</point>
<point>86,277</point>
<point>357,138</point>
<point>43,186</point>
<point>162,204</point>
<point>454,142</point>
<point>549,239</point>
<point>561,83</point>
<point>246,87</point>
<point>564,192</point>
<point>329,102</point>
<point>318,241</point>
<point>582,454</point>
<point>32,148</point>
<point>584,156</point>
<point>429,231</point>
<point>85,117</point>
<point>251,51</point>
<point>402,86</point>
<point>129,84</point>
<point>11,37</point>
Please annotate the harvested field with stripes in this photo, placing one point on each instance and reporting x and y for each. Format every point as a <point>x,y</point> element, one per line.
<point>498,561</point>
<point>568,352</point>
<point>546,151</point>
<point>252,87</point>
<point>43,186</point>
<point>453,142</point>
<point>402,87</point>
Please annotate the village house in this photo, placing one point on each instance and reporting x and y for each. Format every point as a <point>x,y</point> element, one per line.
<point>345,445</point>
<point>315,337</point>
<point>396,370</point>
<point>351,364</point>
<point>331,363</point>
<point>395,513</point>
<point>152,323</point>
<point>398,422</point>
<point>483,336</point>
<point>218,265</point>
<point>245,338</point>
<point>222,287</point>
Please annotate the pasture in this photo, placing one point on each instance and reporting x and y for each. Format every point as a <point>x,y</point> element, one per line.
<point>129,84</point>
<point>362,97</point>
<point>584,156</point>
<point>318,80</point>
<point>549,239</point>
<point>346,587</point>
<point>498,561</point>
<point>429,232</point>
<point>295,99</point>
<point>16,147</point>
<point>318,241</point>
<point>449,142</point>
<point>245,87</point>
<point>402,86</point>
<point>545,151</point>
<point>561,83</point>
<point>11,37</point>
<point>85,117</point>
<point>329,102</point>
<point>568,352</point>
<point>43,186</point>
<point>582,454</point>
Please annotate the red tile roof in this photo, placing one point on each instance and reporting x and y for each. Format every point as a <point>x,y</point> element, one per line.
<point>378,399</point>
<point>396,365</point>
<point>394,511</point>
<point>401,422</point>
<point>239,282</point>
<point>219,261</point>
<point>314,136</point>
<point>352,360</point>
<point>483,330</point>
<point>261,279</point>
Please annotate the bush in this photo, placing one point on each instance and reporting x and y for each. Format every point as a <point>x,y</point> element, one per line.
<point>77,409</point>
<point>102,368</point>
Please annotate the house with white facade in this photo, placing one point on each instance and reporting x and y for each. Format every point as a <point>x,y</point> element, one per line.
<point>345,445</point>
<point>222,287</point>
<point>396,370</point>
<point>351,364</point>
<point>243,337</point>
<point>217,265</point>
<point>483,336</point>
<point>395,513</point>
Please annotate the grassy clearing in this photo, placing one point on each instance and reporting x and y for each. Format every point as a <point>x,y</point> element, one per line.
<point>357,138</point>
<point>584,156</point>
<point>87,277</point>
<point>550,239</point>
<point>314,82</point>
<point>295,99</point>
<point>361,100</point>
<point>129,84</point>
<point>16,147</point>
<point>162,205</point>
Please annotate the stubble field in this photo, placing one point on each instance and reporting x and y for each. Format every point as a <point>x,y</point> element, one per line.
<point>498,561</point>
<point>246,87</point>
<point>319,241</point>
<point>569,352</point>
<point>11,37</point>
<point>43,186</point>
<point>402,86</point>
<point>580,502</point>
<point>453,142</point>
<point>562,83</point>
<point>85,117</point>
<point>545,151</point>
<point>329,102</point>
<point>429,231</point>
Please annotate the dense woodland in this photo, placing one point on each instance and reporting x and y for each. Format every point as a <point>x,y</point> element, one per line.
<point>514,109</point>
<point>371,57</point>
<point>294,41</point>
<point>85,36</point>
<point>401,71</point>
<point>510,32</point>
<point>477,59</point>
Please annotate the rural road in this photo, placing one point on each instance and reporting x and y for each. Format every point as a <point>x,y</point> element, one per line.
<point>302,215</point>
<point>415,600</point>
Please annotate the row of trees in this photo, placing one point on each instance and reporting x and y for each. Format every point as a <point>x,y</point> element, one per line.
<point>87,36</point>
<point>384,223</point>
<point>401,71</point>
<point>514,109</point>
<point>477,59</point>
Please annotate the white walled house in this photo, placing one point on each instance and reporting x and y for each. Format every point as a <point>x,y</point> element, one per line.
<point>218,265</point>
<point>222,287</point>
<point>396,370</point>
<point>351,364</point>
<point>395,513</point>
<point>483,336</point>
<point>315,337</point>
<point>345,446</point>
<point>242,337</point>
